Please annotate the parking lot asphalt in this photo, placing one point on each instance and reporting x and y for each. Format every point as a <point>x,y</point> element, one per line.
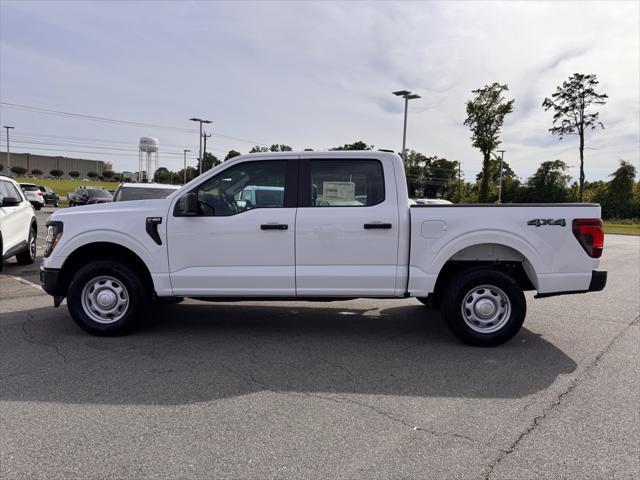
<point>356,389</point>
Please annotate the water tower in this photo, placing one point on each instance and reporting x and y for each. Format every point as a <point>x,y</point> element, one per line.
<point>148,151</point>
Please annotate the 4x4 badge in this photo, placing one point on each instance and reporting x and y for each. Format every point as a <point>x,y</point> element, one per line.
<point>540,222</point>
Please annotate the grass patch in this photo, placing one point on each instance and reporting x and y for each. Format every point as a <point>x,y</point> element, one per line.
<point>622,228</point>
<point>62,187</point>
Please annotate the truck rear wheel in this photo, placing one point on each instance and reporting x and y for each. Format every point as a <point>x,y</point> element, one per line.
<point>484,307</point>
<point>107,298</point>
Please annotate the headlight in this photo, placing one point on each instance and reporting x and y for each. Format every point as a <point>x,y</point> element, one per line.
<point>54,233</point>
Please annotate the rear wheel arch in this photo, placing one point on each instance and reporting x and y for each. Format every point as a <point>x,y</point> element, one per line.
<point>493,256</point>
<point>99,251</point>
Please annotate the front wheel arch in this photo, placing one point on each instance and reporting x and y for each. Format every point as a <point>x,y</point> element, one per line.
<point>104,251</point>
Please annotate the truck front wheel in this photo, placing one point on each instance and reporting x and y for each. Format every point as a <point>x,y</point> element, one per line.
<point>107,298</point>
<point>484,307</point>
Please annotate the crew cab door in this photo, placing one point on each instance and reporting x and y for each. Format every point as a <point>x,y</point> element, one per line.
<point>346,227</point>
<point>233,247</point>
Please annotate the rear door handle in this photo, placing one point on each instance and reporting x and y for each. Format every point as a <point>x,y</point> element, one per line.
<point>274,226</point>
<point>377,225</point>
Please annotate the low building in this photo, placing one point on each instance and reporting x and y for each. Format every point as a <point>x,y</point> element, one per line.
<point>47,163</point>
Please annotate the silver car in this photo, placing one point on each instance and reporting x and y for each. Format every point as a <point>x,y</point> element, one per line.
<point>33,194</point>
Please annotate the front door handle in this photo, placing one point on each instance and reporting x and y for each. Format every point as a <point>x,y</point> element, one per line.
<point>274,226</point>
<point>377,225</point>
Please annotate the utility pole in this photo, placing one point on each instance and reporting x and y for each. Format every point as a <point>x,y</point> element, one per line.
<point>201,121</point>
<point>184,171</point>
<point>459,182</point>
<point>500,182</point>
<point>8,153</point>
<point>204,151</point>
<point>407,95</point>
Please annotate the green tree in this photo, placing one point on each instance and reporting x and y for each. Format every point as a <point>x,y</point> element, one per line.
<point>210,161</point>
<point>92,175</point>
<point>258,149</point>
<point>72,174</point>
<point>57,173</point>
<point>192,173</point>
<point>571,103</point>
<point>108,174</point>
<point>231,154</point>
<point>511,184</point>
<point>18,170</point>
<point>36,172</point>
<point>485,117</point>
<point>619,199</point>
<point>162,175</point>
<point>359,145</point>
<point>549,183</point>
<point>280,148</point>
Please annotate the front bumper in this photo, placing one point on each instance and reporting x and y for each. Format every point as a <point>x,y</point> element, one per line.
<point>49,279</point>
<point>597,283</point>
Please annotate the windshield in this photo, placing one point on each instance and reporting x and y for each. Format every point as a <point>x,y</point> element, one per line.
<point>133,193</point>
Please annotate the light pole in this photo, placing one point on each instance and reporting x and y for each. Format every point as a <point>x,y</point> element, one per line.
<point>8,153</point>
<point>201,121</point>
<point>500,181</point>
<point>184,181</point>
<point>407,95</point>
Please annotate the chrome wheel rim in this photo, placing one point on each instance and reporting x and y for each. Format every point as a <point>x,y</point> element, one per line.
<point>105,299</point>
<point>32,246</point>
<point>486,309</point>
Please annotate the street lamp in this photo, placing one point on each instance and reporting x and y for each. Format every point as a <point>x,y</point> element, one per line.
<point>8,153</point>
<point>201,121</point>
<point>184,182</point>
<point>500,182</point>
<point>407,95</point>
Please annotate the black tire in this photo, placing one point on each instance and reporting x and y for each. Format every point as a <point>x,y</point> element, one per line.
<point>125,276</point>
<point>37,206</point>
<point>468,288</point>
<point>28,255</point>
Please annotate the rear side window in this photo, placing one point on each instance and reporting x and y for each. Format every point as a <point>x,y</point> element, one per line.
<point>29,188</point>
<point>346,183</point>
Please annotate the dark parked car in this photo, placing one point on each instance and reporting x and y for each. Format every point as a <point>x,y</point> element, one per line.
<point>50,197</point>
<point>89,196</point>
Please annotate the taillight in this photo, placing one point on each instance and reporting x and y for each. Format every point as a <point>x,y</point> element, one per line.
<point>590,235</point>
<point>39,193</point>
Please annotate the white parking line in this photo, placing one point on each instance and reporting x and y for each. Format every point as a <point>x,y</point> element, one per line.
<point>27,282</point>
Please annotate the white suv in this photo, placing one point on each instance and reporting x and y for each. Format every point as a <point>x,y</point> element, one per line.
<point>33,194</point>
<point>18,226</point>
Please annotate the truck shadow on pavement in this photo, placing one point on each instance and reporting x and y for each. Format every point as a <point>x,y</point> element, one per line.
<point>199,352</point>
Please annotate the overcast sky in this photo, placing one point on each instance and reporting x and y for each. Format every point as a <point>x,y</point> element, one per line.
<point>314,75</point>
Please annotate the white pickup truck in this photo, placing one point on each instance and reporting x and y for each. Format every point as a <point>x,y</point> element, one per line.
<point>319,226</point>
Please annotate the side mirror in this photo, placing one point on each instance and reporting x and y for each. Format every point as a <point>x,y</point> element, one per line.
<point>187,206</point>
<point>10,202</point>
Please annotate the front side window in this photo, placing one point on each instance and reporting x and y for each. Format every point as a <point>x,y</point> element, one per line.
<point>243,187</point>
<point>346,183</point>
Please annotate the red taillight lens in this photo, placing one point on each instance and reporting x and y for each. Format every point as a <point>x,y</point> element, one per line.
<point>590,235</point>
<point>39,193</point>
